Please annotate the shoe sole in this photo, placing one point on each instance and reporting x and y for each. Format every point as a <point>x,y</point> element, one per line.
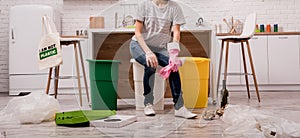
<point>192,117</point>
<point>186,117</point>
<point>150,114</point>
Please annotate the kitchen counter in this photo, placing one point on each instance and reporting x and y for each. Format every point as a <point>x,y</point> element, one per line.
<point>73,36</point>
<point>113,44</point>
<point>263,33</point>
<point>131,30</point>
<point>101,40</point>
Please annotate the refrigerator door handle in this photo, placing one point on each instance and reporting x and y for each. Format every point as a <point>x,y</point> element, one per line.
<point>12,35</point>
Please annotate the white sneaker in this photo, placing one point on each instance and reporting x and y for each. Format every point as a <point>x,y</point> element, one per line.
<point>183,112</point>
<point>148,110</point>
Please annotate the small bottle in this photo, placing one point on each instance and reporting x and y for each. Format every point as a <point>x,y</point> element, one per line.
<point>275,27</point>
<point>85,32</point>
<point>268,29</point>
<point>256,28</point>
<point>224,95</point>
<point>262,28</point>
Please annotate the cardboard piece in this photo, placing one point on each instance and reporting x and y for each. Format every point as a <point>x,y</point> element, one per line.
<point>96,22</point>
<point>115,121</point>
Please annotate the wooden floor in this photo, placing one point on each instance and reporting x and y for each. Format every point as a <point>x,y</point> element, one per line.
<point>164,124</point>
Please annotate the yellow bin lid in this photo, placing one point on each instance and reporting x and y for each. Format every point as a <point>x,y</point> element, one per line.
<point>195,59</point>
<point>193,66</point>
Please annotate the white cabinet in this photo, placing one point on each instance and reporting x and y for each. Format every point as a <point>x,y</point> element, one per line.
<point>276,60</point>
<point>284,60</point>
<point>259,52</point>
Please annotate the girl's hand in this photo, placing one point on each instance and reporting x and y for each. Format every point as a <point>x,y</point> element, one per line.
<point>151,59</point>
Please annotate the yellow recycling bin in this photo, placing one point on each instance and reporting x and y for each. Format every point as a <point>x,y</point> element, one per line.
<point>194,81</point>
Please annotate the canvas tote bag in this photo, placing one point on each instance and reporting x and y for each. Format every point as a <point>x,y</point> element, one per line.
<point>49,53</point>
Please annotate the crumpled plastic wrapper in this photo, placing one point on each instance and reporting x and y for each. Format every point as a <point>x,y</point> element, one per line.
<point>33,108</point>
<point>245,121</point>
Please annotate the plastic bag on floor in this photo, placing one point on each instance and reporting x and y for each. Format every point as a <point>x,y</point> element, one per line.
<point>244,121</point>
<point>279,127</point>
<point>32,108</point>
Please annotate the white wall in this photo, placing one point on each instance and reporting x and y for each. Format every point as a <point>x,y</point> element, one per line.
<point>283,12</point>
<point>76,13</point>
<point>286,13</point>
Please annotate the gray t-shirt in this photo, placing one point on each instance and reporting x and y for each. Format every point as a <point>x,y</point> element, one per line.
<point>158,21</point>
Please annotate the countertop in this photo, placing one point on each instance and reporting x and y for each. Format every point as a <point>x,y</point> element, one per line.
<point>71,36</point>
<point>263,33</point>
<point>131,30</point>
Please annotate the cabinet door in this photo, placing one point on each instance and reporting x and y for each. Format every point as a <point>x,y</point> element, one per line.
<point>284,59</point>
<point>259,52</point>
<point>234,62</point>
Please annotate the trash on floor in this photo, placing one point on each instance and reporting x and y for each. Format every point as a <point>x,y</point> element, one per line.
<point>81,118</point>
<point>209,114</point>
<point>115,121</point>
<point>33,108</point>
<point>245,121</point>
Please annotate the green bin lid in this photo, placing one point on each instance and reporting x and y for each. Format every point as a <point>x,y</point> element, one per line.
<point>108,61</point>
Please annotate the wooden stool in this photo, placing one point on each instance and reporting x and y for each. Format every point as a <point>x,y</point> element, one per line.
<point>247,34</point>
<point>66,42</point>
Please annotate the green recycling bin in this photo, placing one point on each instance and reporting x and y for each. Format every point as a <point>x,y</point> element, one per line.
<point>104,83</point>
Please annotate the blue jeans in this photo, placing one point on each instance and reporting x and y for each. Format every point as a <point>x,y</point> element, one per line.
<point>163,60</point>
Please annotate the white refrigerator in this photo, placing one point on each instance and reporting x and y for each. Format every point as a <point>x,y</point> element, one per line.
<point>25,32</point>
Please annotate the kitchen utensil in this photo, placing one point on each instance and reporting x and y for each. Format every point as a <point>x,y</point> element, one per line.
<point>128,21</point>
<point>228,25</point>
<point>233,29</point>
<point>199,21</point>
<point>116,20</point>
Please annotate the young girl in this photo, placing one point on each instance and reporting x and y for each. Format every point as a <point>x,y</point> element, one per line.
<point>155,21</point>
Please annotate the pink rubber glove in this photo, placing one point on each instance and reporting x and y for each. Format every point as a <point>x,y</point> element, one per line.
<point>174,61</point>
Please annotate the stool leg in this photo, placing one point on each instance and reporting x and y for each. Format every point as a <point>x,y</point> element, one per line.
<point>245,69</point>
<point>226,60</point>
<point>56,80</point>
<point>253,71</point>
<point>78,74</point>
<point>83,72</point>
<point>220,64</point>
<point>48,81</point>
